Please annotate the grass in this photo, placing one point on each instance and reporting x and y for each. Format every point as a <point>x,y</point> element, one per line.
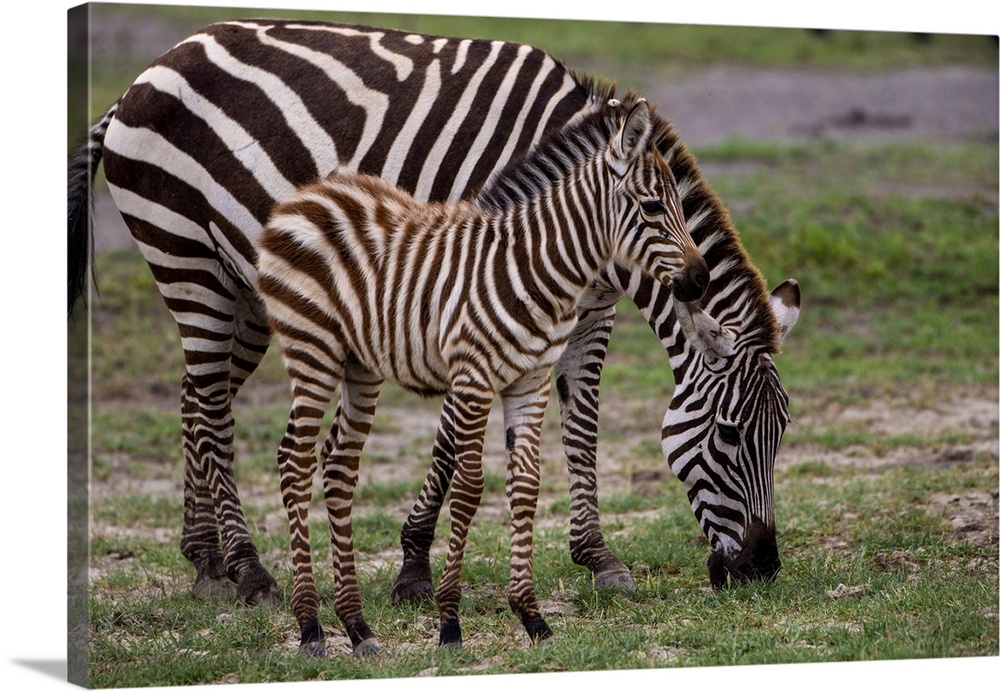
<point>884,535</point>
<point>910,590</point>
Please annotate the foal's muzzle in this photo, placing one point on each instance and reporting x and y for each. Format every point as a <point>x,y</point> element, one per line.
<point>692,282</point>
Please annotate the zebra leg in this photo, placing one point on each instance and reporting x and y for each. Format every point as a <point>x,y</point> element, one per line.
<point>215,369</point>
<point>212,503</point>
<point>250,341</point>
<point>208,427</point>
<point>200,537</point>
<point>341,458</point>
<point>413,584</point>
<point>578,376</point>
<point>472,401</point>
<point>524,410</point>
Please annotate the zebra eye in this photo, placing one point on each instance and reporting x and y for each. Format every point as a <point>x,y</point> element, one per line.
<point>729,433</point>
<point>652,206</point>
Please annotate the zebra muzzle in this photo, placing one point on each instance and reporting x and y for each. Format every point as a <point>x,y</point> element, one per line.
<point>757,561</point>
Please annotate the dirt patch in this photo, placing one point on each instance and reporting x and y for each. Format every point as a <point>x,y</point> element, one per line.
<point>799,104</point>
<point>973,515</point>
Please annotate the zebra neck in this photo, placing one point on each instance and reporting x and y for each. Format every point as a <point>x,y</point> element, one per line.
<point>554,251</point>
<point>735,299</point>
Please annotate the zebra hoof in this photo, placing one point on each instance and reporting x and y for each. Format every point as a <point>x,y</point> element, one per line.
<point>621,581</point>
<point>214,588</point>
<point>451,635</point>
<point>539,632</point>
<point>367,648</point>
<point>256,586</point>
<point>313,649</point>
<point>416,591</point>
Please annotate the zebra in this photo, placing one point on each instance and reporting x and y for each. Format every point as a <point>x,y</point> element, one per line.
<point>242,113</point>
<point>362,283</point>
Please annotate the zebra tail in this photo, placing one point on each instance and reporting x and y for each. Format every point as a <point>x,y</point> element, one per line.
<point>82,165</point>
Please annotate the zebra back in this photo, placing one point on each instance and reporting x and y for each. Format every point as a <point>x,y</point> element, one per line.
<point>255,109</point>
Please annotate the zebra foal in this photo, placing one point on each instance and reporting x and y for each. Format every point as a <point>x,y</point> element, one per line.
<point>361,283</point>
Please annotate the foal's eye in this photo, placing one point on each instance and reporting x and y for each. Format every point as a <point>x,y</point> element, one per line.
<point>652,206</point>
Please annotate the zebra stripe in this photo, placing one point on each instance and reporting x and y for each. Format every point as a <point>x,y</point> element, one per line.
<point>196,160</point>
<point>489,309</point>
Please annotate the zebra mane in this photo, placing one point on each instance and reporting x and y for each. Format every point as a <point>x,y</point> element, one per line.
<point>738,293</point>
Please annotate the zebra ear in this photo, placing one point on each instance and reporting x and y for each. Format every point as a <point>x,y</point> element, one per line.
<point>707,335</point>
<point>632,138</point>
<point>785,301</point>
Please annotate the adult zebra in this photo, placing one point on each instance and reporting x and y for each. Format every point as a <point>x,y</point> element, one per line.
<point>363,283</point>
<point>241,113</point>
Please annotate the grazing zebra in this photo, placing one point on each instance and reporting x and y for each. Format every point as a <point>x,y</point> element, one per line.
<point>362,283</point>
<point>240,114</point>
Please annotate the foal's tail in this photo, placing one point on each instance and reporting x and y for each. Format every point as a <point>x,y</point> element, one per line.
<point>82,164</point>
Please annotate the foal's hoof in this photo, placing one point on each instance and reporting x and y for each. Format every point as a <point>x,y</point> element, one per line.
<point>313,649</point>
<point>214,588</point>
<point>367,648</point>
<point>255,586</point>
<point>538,631</point>
<point>621,581</point>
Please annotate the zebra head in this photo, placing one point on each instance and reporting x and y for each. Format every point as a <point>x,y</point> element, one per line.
<point>652,232</point>
<point>722,431</point>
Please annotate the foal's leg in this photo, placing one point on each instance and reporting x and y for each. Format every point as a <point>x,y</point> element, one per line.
<point>524,410</point>
<point>472,398</point>
<point>311,395</point>
<point>341,455</point>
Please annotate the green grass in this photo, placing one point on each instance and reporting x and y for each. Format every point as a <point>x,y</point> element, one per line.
<point>911,591</point>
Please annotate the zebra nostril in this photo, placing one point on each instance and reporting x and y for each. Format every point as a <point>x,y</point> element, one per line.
<point>693,282</point>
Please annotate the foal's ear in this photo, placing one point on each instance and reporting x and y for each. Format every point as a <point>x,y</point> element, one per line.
<point>785,301</point>
<point>632,139</point>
